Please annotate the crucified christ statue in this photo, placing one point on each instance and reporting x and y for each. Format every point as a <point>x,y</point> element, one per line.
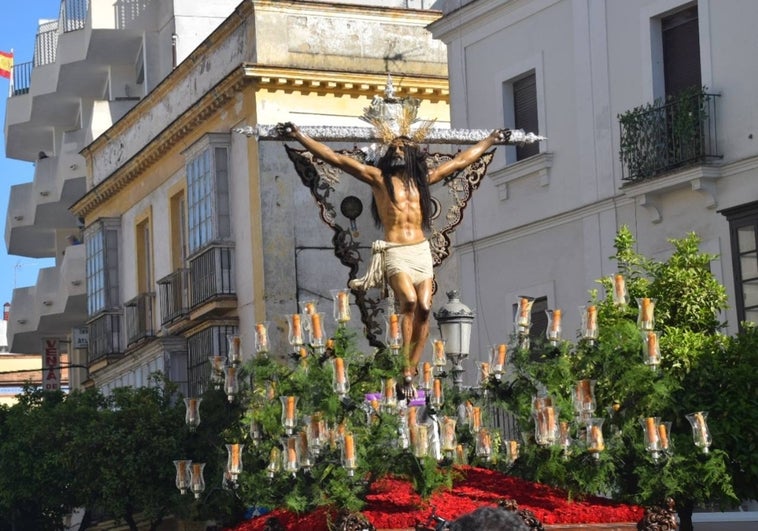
<point>400,182</point>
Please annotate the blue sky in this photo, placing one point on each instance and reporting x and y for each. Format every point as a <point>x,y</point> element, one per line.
<point>18,26</point>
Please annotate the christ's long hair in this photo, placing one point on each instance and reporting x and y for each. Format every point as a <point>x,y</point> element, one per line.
<point>415,172</point>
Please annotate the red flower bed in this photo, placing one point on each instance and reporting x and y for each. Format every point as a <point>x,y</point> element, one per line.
<point>392,504</point>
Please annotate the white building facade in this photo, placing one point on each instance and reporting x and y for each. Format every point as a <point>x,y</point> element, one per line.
<point>543,223</point>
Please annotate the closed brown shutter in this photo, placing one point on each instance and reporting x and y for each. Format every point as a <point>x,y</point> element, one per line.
<point>525,113</point>
<point>681,51</point>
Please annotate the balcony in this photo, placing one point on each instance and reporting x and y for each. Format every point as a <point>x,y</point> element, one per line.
<point>52,307</point>
<point>665,136</point>
<point>139,318</point>
<point>212,280</point>
<point>173,292</point>
<point>22,236</point>
<point>92,50</point>
<point>104,338</point>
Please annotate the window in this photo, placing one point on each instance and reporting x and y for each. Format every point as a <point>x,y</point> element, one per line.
<point>538,319</point>
<point>525,112</point>
<point>201,346</point>
<point>144,257</point>
<point>101,241</point>
<point>208,216</point>
<point>681,51</point>
<point>178,220</point>
<point>743,231</point>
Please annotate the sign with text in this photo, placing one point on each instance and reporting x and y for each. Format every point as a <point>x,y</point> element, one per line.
<point>51,365</point>
<point>80,337</point>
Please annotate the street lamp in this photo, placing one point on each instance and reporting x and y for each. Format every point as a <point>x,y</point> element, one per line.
<point>454,320</point>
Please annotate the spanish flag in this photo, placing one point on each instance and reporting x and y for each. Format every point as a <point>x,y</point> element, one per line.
<point>6,64</point>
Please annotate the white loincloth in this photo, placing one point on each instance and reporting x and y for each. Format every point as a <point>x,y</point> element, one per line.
<point>388,259</point>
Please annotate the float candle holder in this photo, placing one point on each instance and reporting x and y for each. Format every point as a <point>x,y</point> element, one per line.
<point>389,398</point>
<point>231,383</point>
<point>447,434</point>
<point>437,399</point>
<point>700,433</point>
<point>484,444</point>
<point>274,459</point>
<point>426,378</point>
<point>439,359</point>
<point>420,440</point>
<point>394,337</point>
<point>217,371</point>
<point>595,441</point>
<point>289,456</point>
<point>589,322</point>
<point>511,450</point>
<point>651,436</point>
<point>316,330</point>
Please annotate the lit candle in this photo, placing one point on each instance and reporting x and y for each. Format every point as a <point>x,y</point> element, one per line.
<point>652,347</point>
<point>316,326</point>
<point>339,370</point>
<point>619,289</point>
<point>297,337</point>
<point>343,310</point>
<point>702,428</point>
<point>513,449</point>
<point>290,412</point>
<point>484,372</point>
<point>550,415</point>
<point>647,309</point>
<point>523,313</point>
<point>349,443</point>
<point>261,337</point>
<point>591,317</point>
<point>437,388</point>
<point>663,436</point>
<point>651,430</point>
<point>394,326</point>
<point>555,324</point>
<point>235,455</point>
<point>501,351</point>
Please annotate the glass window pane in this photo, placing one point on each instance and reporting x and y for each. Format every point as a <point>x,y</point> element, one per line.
<point>746,238</point>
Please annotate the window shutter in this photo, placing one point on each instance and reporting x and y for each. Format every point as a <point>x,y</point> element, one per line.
<point>525,112</point>
<point>681,51</point>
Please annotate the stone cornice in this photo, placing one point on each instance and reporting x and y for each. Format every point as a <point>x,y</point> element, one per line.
<point>429,88</point>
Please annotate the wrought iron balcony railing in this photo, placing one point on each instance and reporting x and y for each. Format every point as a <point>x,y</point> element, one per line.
<point>73,14</point>
<point>212,275</point>
<point>663,136</point>
<point>46,44</point>
<point>139,318</point>
<point>173,292</point>
<point>21,79</point>
<point>104,337</point>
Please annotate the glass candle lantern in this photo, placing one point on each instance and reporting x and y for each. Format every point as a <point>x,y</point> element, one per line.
<point>589,322</point>
<point>554,326</point>
<point>295,334</point>
<point>274,460</point>
<point>439,358</point>
<point>394,335</point>
<point>349,460</point>
<point>340,382</point>
<point>646,315</point>
<point>217,370</point>
<point>584,399</point>
<point>290,461</point>
<point>484,373</point>
<point>234,460</point>
<point>511,451</point>
<point>317,432</point>
<point>620,294</point>
<point>231,382</point>
<point>426,378</point>
<point>307,307</point>
<point>192,412</point>
<point>448,440</point>
<point>498,360</point>
<point>197,481</point>
<point>595,441</point>
<point>316,329</point>
<point>546,425</point>
<point>459,457</point>
<point>420,440</point>
<point>183,474</point>
<point>235,349</point>
<point>484,444</point>
<point>475,419</point>
<point>341,312</point>
<point>289,412</point>
<point>564,437</point>
<point>652,436</point>
<point>523,321</point>
<point>437,398</point>
<point>700,433</point>
<point>304,456</point>
<point>651,348</point>
<point>256,432</point>
<point>389,396</point>
<point>261,339</point>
